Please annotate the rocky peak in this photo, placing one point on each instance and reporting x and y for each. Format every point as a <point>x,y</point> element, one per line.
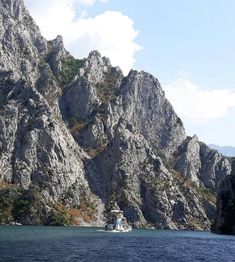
<point>95,67</point>
<point>95,59</point>
<point>58,42</point>
<point>56,55</point>
<point>95,84</point>
<point>133,81</point>
<point>21,43</point>
<point>16,7</point>
<point>146,107</point>
<point>58,48</point>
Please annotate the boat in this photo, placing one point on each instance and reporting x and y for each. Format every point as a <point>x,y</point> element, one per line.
<point>15,224</point>
<point>116,222</point>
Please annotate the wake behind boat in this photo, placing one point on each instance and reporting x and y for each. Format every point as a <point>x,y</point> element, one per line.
<point>117,222</point>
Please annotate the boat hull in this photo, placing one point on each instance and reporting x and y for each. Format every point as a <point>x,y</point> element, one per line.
<point>113,228</point>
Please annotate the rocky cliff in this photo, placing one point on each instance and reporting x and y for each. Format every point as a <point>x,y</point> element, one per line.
<point>77,137</point>
<point>225,216</point>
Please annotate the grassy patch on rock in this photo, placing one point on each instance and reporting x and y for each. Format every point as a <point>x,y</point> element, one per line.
<point>8,196</point>
<point>106,89</point>
<point>69,69</point>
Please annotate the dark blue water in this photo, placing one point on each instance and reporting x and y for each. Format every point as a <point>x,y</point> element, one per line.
<point>89,244</point>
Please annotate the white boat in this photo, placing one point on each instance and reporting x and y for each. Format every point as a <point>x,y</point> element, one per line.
<point>117,222</point>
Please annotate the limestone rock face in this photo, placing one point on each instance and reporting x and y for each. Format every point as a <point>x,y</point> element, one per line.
<point>147,109</point>
<point>214,167</point>
<point>36,146</point>
<point>21,44</point>
<point>188,162</point>
<point>77,138</point>
<point>91,86</point>
<point>199,163</point>
<point>56,54</point>
<point>225,216</point>
<point>140,184</point>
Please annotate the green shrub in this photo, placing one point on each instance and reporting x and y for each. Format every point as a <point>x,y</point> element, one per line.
<point>207,194</point>
<point>59,216</point>
<point>58,219</point>
<point>21,208</point>
<point>70,67</point>
<point>27,203</point>
<point>107,89</point>
<point>7,198</point>
<point>72,121</point>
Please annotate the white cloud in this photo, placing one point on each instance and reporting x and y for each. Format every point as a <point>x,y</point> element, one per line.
<point>195,104</point>
<point>88,2</point>
<point>111,32</point>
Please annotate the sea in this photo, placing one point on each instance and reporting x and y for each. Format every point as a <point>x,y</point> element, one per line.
<point>38,243</point>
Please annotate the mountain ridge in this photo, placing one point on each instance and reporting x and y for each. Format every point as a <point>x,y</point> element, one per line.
<point>224,150</point>
<point>77,138</point>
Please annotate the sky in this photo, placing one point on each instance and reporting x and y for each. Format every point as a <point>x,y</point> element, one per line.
<point>188,45</point>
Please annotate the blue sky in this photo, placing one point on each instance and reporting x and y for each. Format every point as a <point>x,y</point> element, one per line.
<point>197,36</point>
<point>188,45</point>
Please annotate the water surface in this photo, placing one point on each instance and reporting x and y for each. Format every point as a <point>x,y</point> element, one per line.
<point>20,243</point>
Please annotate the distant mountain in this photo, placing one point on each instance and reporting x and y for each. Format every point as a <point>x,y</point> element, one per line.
<point>224,150</point>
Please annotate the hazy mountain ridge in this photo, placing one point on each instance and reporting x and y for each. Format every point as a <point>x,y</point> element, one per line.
<point>77,137</point>
<point>224,150</point>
